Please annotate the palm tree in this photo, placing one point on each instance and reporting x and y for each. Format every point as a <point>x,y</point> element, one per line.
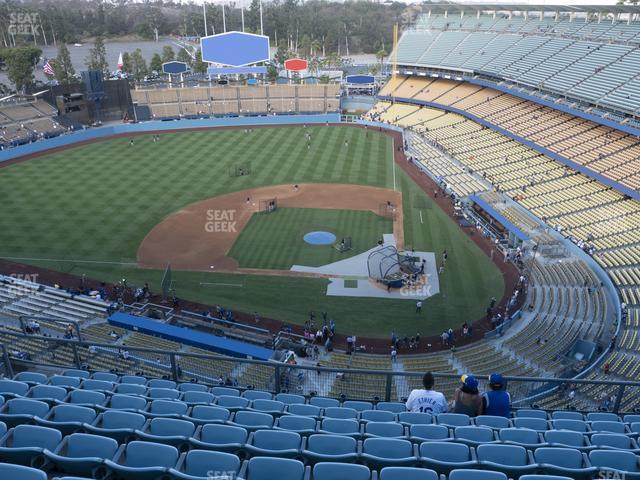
<point>380,55</point>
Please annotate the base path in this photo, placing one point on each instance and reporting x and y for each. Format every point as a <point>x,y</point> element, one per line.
<point>199,236</point>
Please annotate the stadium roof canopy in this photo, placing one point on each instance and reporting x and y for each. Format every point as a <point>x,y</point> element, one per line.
<point>441,7</point>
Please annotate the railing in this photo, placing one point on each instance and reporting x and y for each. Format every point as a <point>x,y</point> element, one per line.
<point>308,379</point>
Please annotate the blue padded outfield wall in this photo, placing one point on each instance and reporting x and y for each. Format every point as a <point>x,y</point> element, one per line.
<point>154,126</point>
<point>544,151</point>
<point>226,346</point>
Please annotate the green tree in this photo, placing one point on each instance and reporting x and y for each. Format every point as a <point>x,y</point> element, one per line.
<point>63,66</point>
<point>139,65</point>
<point>97,59</point>
<point>127,63</point>
<point>272,73</point>
<point>156,63</point>
<point>183,56</point>
<point>198,65</point>
<point>381,55</point>
<point>168,55</point>
<point>20,63</point>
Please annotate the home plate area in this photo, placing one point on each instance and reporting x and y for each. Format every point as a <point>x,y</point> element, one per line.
<point>381,272</point>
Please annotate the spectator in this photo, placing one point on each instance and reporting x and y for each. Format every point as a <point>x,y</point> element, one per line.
<point>427,400</point>
<point>394,355</point>
<point>467,399</point>
<point>497,400</point>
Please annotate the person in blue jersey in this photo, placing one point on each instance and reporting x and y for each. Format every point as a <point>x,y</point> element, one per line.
<point>427,400</point>
<point>496,401</point>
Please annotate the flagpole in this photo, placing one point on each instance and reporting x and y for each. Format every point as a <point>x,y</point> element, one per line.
<point>224,21</point>
<point>242,14</point>
<point>204,14</point>
<point>261,29</point>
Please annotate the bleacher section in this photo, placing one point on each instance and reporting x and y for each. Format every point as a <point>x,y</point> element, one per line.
<point>28,121</point>
<point>587,61</point>
<point>244,100</point>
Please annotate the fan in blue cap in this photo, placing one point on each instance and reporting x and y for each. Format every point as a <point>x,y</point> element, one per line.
<point>496,401</point>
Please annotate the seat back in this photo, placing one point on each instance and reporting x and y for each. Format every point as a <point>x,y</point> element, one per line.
<point>168,407</point>
<point>519,435</point>
<point>149,454</point>
<point>269,468</point>
<point>195,396</point>
<point>36,436</point>
<point>116,419</point>
<point>567,415</point>
<point>18,472</point>
<point>71,372</point>
<point>384,429</point>
<point>387,447</point>
<point>393,407</point>
<point>254,419</point>
<point>90,384</point>
<point>62,381</point>
<point>48,391</point>
<point>171,427</point>
<point>231,392</point>
<point>614,459</point>
<point>119,401</point>
<point>453,419</point>
<point>73,413</point>
<point>14,387</point>
<point>324,402</point>
<point>340,425</point>
<point>415,418</point>
<point>83,445</point>
<point>429,432</point>
<point>602,417</point>
<point>357,405</point>
<point>531,423</point>
<point>268,405</point>
<point>407,473</point>
<point>531,413</point>
<point>131,389</point>
<point>31,377</point>
<point>331,444</point>
<point>105,376</point>
<point>168,393</point>
<point>133,380</point>
<point>565,437</point>
<point>304,410</point>
<point>511,455</point>
<point>559,457</point>
<point>475,434</point>
<point>334,470</point>
<point>87,396</point>
<point>192,387</point>
<point>613,440</point>
<point>206,412</point>
<point>290,399</point>
<point>607,426</point>
<point>161,383</point>
<point>464,474</point>
<point>296,423</point>
<point>221,434</point>
<point>230,401</point>
<point>446,451</point>
<point>200,463</point>
<point>257,395</point>
<point>25,406</point>
<point>340,412</point>
<point>492,421</point>
<point>377,416</point>
<point>276,440</point>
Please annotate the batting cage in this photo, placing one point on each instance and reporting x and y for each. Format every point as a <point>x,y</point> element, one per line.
<point>383,262</point>
<point>269,205</point>
<point>240,169</point>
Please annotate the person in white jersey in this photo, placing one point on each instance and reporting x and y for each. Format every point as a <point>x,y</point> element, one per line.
<point>427,400</point>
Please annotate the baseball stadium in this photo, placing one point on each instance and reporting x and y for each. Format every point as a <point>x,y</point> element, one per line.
<point>218,276</point>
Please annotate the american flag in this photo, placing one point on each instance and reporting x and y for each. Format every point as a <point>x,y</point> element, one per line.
<point>48,69</point>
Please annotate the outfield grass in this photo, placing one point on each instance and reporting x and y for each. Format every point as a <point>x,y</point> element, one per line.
<point>74,209</point>
<point>275,240</point>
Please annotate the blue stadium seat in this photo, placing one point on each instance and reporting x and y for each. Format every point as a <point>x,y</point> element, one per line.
<point>384,429</point>
<point>388,452</point>
<point>86,397</point>
<point>225,391</point>
<point>340,471</point>
<point>48,393</point>
<point>233,403</point>
<point>257,395</point>
<point>295,423</point>
<point>573,425</point>
<point>72,372</point>
<point>304,410</point>
<point>32,378</point>
<point>63,381</point>
<point>82,454</point>
<point>3,429</point>
<point>566,415</point>
<point>167,430</point>
<point>225,438</point>
<point>273,443</point>
<point>12,388</point>
<point>537,424</point>
<point>524,437</point>
<point>531,413</point>
<point>205,465</point>
<point>324,402</point>
<point>196,397</point>
<point>143,461</point>
<point>131,389</point>
<point>613,440</point>
<point>415,418</point>
<point>203,414</point>
<point>566,438</point>
<point>513,460</point>
<point>608,426</point>
<point>377,416</point>
<point>127,402</point>
<point>393,407</point>
<point>330,448</point>
<point>544,477</point>
<point>22,410</point>
<point>192,387</point>
<point>564,461</point>
<point>20,472</point>
<point>133,380</point>
<point>625,464</point>
<point>25,444</point>
<point>166,408</point>
<point>635,428</point>
<point>117,424</point>
<point>453,419</point>
<point>602,417</point>
<point>407,473</point>
<point>492,421</point>
<point>290,399</point>
<point>267,468</point>
<point>339,412</point>
<point>273,407</point>
<point>429,433</point>
<point>161,383</point>
<point>106,376</point>
<point>631,418</point>
<point>464,474</point>
<point>446,456</point>
<point>340,426</point>
<point>253,420</point>
<point>163,393</point>
<point>474,435</point>
<point>357,405</point>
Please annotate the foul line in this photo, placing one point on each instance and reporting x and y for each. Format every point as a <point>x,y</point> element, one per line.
<point>393,161</point>
<point>420,212</point>
<point>68,261</point>
<point>222,284</point>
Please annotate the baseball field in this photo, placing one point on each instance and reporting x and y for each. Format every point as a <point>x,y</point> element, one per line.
<point>127,206</point>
